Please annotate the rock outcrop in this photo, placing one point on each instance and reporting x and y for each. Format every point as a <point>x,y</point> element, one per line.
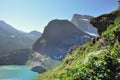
<point>38,69</point>
<point>103,21</point>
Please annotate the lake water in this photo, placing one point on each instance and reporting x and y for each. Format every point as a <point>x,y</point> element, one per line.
<point>14,72</point>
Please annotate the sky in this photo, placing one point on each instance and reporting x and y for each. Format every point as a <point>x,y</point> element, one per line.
<point>28,15</point>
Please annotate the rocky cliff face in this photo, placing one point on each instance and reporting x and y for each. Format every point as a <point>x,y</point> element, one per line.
<point>58,37</point>
<point>83,23</point>
<point>103,21</point>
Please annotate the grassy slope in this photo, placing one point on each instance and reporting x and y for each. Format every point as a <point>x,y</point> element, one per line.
<point>99,67</point>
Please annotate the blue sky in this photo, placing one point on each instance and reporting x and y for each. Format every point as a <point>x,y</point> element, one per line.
<point>28,15</point>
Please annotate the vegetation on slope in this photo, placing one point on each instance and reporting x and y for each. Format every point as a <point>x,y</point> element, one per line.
<point>91,61</point>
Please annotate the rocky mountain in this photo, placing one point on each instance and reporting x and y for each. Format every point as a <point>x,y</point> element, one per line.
<point>83,23</point>
<point>13,39</point>
<point>58,37</point>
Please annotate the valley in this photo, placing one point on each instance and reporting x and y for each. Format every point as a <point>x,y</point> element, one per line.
<point>57,40</point>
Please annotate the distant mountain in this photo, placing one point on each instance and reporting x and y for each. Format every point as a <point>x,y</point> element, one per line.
<point>35,33</point>
<point>8,30</point>
<point>58,37</point>
<point>13,39</point>
<point>83,23</point>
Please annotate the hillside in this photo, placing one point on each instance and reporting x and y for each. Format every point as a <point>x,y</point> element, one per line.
<point>96,60</point>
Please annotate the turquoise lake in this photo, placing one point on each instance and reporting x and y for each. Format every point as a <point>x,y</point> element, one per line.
<point>14,72</point>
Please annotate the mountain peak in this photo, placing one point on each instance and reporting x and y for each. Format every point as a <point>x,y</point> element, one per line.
<point>82,16</point>
<point>58,37</point>
<point>59,28</point>
<point>1,21</point>
<point>35,33</point>
<point>58,22</point>
<point>83,23</point>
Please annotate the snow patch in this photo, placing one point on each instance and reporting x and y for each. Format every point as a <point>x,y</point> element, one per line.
<point>12,36</point>
<point>84,19</point>
<point>92,34</point>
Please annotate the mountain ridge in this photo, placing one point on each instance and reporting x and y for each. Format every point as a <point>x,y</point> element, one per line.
<point>13,39</point>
